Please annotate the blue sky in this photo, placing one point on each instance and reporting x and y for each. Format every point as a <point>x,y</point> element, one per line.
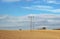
<point>21,7</point>
<point>14,13</point>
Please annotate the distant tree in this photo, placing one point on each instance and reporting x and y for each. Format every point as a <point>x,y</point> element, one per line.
<point>20,29</point>
<point>44,28</point>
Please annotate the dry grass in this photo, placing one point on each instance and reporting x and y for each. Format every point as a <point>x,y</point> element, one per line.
<point>37,34</point>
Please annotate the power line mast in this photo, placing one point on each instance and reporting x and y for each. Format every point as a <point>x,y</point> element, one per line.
<point>31,22</point>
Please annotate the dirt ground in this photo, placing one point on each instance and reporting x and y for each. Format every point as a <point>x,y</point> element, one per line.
<point>34,34</point>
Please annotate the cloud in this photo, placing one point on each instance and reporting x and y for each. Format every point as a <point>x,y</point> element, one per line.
<point>24,21</point>
<point>52,1</point>
<point>43,8</point>
<point>37,2</point>
<point>16,0</point>
<point>56,10</point>
<point>11,0</point>
<point>38,7</point>
<point>29,0</point>
<point>2,17</point>
<point>34,1</point>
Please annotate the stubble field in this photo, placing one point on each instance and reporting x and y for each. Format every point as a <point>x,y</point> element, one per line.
<point>34,34</point>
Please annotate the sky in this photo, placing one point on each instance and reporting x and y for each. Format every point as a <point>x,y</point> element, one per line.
<point>14,13</point>
<point>24,7</point>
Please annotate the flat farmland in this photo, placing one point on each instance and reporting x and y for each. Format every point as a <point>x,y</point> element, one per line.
<point>26,34</point>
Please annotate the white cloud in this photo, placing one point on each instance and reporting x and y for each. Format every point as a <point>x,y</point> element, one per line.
<point>3,17</point>
<point>56,10</point>
<point>43,8</point>
<point>52,1</point>
<point>38,7</point>
<point>39,19</point>
<point>29,0</point>
<point>36,2</point>
<point>16,0</point>
<point>10,0</point>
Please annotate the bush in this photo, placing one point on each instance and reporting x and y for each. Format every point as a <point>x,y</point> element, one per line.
<point>44,28</point>
<point>20,29</point>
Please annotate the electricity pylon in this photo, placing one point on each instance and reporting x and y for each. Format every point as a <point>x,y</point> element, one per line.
<point>31,22</point>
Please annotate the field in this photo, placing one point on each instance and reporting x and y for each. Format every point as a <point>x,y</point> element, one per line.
<point>36,34</point>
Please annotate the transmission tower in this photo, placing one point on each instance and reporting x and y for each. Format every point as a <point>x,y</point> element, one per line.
<point>31,22</point>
